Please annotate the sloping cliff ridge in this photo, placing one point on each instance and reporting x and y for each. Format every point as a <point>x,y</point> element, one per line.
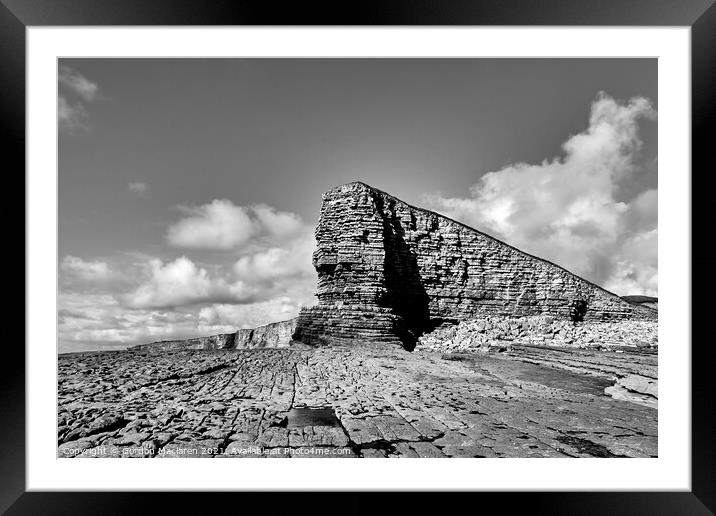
<point>274,335</point>
<point>389,272</point>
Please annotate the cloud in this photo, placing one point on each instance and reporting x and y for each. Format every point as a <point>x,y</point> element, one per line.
<point>78,83</point>
<point>220,225</point>
<point>93,276</point>
<point>182,283</point>
<point>76,91</point>
<point>79,275</point>
<point>277,224</point>
<point>217,225</point>
<point>84,270</point>
<point>138,188</point>
<point>567,209</point>
<point>272,258</point>
<point>294,260</point>
<point>255,277</point>
<point>71,117</point>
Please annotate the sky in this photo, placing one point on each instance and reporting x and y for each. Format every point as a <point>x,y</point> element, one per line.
<point>189,188</point>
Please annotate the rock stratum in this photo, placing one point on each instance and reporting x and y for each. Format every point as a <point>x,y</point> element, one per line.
<point>389,272</point>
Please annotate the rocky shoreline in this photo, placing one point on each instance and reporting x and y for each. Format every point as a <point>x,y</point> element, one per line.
<point>501,332</point>
<point>357,401</point>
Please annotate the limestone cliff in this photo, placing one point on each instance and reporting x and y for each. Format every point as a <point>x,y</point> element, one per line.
<point>274,335</point>
<point>388,272</point>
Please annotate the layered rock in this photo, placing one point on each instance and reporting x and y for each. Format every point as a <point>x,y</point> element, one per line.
<point>274,335</point>
<point>637,389</point>
<point>388,272</point>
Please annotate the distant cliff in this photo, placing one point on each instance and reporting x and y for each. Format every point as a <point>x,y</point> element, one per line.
<point>649,301</point>
<point>274,335</point>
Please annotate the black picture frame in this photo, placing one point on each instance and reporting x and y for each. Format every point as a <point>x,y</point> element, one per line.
<point>700,15</point>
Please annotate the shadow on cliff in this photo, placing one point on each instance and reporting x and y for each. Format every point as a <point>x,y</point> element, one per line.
<point>405,293</point>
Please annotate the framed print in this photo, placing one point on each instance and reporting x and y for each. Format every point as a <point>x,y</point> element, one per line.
<point>437,236</point>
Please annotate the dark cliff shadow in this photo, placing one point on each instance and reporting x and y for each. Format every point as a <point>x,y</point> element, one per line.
<point>405,293</point>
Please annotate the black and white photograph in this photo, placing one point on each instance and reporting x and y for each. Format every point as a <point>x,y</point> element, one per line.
<point>357,258</point>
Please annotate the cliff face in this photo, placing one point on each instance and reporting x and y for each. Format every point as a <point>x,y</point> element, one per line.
<point>274,335</point>
<point>388,272</point>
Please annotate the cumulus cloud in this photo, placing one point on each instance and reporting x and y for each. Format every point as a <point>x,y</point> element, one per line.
<point>220,225</point>
<point>182,283</point>
<point>138,188</point>
<point>76,91</point>
<point>293,260</point>
<point>277,224</point>
<point>567,209</point>
<point>256,277</point>
<point>217,225</point>
<point>270,250</point>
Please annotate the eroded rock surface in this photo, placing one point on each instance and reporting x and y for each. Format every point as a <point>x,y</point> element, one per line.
<point>354,401</point>
<point>388,272</point>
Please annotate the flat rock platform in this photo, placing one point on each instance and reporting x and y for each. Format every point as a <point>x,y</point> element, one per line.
<point>353,402</point>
